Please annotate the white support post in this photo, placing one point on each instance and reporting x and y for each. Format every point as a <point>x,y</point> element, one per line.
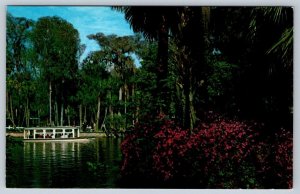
<point>44,133</point>
<point>33,134</point>
<point>73,133</point>
<point>54,132</point>
<point>64,133</point>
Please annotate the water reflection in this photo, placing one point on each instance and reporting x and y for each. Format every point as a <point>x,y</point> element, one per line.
<point>65,164</point>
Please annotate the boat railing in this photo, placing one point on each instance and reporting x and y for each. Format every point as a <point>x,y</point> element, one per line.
<point>14,129</point>
<point>51,133</point>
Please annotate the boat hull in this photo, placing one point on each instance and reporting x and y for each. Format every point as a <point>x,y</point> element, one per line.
<point>59,140</point>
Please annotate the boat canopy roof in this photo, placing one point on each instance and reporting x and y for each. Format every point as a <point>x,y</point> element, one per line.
<point>50,128</point>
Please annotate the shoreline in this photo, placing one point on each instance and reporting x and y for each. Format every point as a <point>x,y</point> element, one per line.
<point>82,135</point>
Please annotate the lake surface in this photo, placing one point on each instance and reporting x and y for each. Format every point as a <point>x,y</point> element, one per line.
<point>95,164</point>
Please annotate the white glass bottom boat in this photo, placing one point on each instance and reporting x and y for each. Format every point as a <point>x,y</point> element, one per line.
<point>34,134</point>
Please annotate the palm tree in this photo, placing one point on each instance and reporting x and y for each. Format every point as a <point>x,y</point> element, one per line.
<point>191,37</point>
<point>284,46</point>
<point>281,16</point>
<point>186,24</point>
<point>154,24</point>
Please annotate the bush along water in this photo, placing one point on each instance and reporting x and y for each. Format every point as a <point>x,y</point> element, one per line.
<point>221,153</point>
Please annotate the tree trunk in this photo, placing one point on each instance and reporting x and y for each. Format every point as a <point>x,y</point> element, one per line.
<point>120,94</point>
<point>120,98</point>
<point>11,112</point>
<point>162,68</point>
<point>125,98</point>
<point>192,110</point>
<point>27,112</point>
<point>69,117</point>
<point>111,112</point>
<point>24,116</point>
<point>186,92</point>
<point>110,109</point>
<point>62,115</point>
<point>98,113</point>
<point>56,113</point>
<point>92,121</point>
<point>193,41</point>
<point>125,103</point>
<point>186,97</point>
<point>50,105</point>
<point>134,116</point>
<point>84,116</point>
<point>15,114</point>
<point>80,115</point>
<point>17,117</point>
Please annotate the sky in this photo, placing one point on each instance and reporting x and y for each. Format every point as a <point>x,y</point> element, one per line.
<point>86,19</point>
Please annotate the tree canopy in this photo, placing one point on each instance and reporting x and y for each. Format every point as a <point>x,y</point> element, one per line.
<point>197,59</point>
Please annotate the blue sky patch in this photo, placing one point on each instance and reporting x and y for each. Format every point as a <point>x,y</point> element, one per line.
<point>86,19</point>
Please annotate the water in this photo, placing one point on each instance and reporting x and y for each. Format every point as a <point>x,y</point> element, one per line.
<point>94,164</point>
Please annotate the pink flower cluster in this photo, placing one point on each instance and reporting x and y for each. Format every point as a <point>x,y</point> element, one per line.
<point>208,151</point>
<point>212,144</point>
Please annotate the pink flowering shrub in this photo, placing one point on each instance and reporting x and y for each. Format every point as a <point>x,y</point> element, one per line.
<point>281,160</point>
<point>170,143</point>
<point>220,154</point>
<point>225,147</point>
<point>274,160</point>
<point>134,148</point>
<point>283,157</point>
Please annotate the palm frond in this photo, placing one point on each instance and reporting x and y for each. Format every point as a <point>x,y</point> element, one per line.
<point>284,46</point>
